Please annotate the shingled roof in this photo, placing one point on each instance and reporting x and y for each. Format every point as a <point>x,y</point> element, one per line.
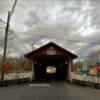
<point>50,44</point>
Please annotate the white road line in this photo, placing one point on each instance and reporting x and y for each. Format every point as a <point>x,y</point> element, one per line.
<point>40,84</point>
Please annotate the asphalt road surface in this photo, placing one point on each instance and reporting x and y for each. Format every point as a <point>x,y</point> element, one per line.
<point>53,91</point>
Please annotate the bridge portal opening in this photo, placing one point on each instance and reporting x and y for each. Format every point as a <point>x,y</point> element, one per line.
<point>50,68</point>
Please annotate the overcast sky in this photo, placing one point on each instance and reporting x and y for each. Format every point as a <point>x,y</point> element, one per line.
<point>36,22</point>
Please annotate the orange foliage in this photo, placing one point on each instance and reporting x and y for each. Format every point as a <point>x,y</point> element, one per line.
<point>7,68</point>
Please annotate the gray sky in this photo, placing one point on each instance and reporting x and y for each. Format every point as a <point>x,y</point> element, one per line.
<point>35,22</point>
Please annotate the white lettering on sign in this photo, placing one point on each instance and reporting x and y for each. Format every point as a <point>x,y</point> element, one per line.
<point>51,51</point>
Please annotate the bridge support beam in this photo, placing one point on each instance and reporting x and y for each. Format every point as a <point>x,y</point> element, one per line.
<point>69,77</point>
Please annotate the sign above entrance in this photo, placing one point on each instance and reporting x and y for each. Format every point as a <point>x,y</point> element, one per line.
<point>51,51</point>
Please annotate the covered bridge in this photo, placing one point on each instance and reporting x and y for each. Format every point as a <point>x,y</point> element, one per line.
<point>50,62</point>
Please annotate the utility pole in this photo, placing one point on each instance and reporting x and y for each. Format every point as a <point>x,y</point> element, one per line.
<point>6,39</point>
<point>5,47</point>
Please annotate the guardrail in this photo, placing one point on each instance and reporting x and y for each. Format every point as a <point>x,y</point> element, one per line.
<point>88,81</point>
<point>15,78</point>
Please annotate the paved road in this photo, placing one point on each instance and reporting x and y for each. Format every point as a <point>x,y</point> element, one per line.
<point>56,91</point>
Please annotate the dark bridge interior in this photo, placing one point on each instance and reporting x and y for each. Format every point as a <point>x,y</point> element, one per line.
<point>43,63</point>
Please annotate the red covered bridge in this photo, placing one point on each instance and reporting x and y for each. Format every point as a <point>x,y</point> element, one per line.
<point>50,62</point>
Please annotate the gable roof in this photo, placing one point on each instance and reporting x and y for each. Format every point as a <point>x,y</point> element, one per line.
<point>50,44</point>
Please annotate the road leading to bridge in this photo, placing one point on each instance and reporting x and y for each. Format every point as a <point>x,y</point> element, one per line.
<point>56,91</point>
